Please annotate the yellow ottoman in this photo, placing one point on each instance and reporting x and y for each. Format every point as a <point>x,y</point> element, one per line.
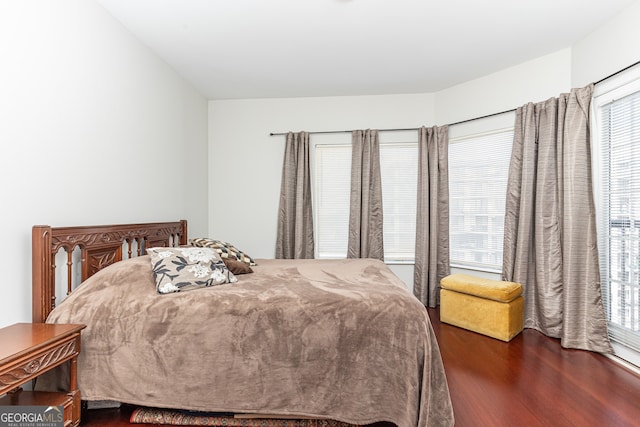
<point>490,307</point>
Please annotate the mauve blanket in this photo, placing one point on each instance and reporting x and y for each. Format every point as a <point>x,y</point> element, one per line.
<point>340,339</point>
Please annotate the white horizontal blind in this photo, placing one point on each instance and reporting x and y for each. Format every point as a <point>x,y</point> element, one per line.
<point>619,209</point>
<point>332,189</point>
<point>399,175</point>
<point>332,185</point>
<point>478,173</point>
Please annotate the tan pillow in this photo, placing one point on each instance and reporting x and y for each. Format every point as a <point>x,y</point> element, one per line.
<point>237,267</point>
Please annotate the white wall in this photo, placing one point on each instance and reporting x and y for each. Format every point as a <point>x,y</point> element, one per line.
<point>95,129</point>
<point>610,48</point>
<point>532,81</point>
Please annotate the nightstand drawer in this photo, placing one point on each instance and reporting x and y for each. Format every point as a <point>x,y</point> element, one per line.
<point>19,371</point>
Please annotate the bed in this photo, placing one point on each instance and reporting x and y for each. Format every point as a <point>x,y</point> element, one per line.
<point>339,339</point>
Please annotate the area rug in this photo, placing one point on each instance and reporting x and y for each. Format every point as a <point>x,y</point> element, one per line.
<point>186,418</point>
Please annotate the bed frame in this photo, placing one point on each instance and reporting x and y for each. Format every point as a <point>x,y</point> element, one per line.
<point>99,246</point>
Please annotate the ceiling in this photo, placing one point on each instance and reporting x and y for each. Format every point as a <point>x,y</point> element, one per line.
<point>292,48</point>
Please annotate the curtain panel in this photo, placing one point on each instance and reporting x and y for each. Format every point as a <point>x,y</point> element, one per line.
<point>550,242</point>
<point>432,216</point>
<point>365,210</point>
<point>295,215</point>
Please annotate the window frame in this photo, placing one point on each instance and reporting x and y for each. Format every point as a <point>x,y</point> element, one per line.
<point>476,129</point>
<point>386,139</point>
<point>609,91</point>
<point>499,122</point>
<point>323,140</point>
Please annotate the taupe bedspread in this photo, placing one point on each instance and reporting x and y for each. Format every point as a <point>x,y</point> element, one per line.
<point>341,339</point>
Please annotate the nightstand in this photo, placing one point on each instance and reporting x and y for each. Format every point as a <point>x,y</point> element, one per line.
<point>31,349</point>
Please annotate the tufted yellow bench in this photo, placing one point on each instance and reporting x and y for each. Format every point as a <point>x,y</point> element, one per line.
<point>490,307</point>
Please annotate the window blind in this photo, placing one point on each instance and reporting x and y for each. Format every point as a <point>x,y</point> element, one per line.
<point>333,186</point>
<point>399,172</point>
<point>399,175</point>
<point>619,209</point>
<point>478,173</point>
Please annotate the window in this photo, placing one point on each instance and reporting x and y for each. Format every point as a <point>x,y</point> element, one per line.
<point>399,175</point>
<point>478,173</point>
<point>617,187</point>
<point>332,186</point>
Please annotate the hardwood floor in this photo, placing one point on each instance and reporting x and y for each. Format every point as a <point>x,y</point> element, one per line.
<point>530,381</point>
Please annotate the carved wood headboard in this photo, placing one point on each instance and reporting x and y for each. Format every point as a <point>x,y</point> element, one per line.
<point>99,246</point>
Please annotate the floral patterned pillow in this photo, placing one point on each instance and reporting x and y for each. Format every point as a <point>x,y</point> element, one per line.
<point>186,268</point>
<point>224,249</point>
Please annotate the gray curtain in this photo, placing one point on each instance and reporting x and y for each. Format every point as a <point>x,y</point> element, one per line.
<point>550,228</point>
<point>432,222</point>
<point>365,211</point>
<point>295,218</point>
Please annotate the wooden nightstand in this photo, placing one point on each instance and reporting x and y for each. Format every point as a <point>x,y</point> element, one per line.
<point>31,349</point>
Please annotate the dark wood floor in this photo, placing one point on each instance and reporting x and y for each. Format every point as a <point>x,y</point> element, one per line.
<point>530,381</point>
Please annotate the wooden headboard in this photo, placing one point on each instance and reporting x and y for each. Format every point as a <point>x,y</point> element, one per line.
<point>99,246</point>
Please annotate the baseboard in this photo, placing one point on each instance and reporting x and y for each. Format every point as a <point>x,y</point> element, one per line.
<point>629,366</point>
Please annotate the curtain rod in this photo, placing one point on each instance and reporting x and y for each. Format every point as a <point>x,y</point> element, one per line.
<point>462,121</point>
<point>617,72</point>
<point>400,129</point>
